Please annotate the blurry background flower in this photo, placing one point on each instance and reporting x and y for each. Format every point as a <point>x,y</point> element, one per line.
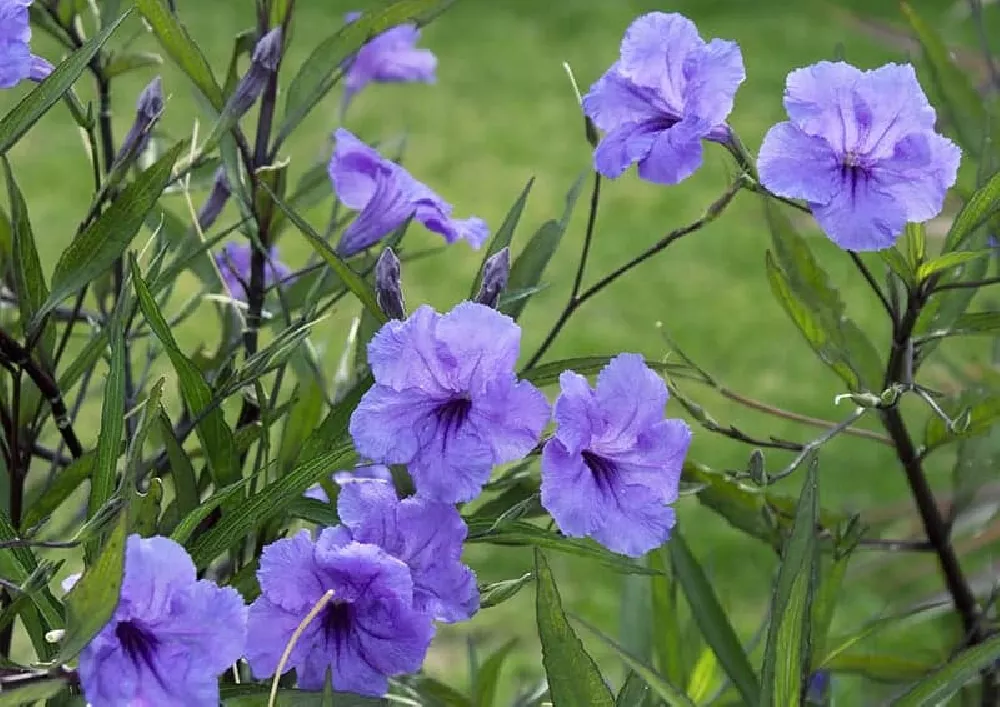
<point>234,265</point>
<point>17,63</point>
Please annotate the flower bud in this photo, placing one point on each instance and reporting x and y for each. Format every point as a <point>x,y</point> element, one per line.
<point>216,200</point>
<point>263,64</point>
<point>496,270</point>
<point>148,108</point>
<point>388,287</point>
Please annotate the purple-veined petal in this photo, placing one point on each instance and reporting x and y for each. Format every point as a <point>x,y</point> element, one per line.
<point>798,166</point>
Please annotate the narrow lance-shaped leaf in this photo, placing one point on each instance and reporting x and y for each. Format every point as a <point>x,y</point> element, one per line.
<point>787,652</point>
<point>104,476</point>
<point>937,687</point>
<point>94,251</point>
<point>574,678</point>
<point>33,106</point>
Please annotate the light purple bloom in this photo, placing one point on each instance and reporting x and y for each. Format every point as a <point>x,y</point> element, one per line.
<point>667,92</point>
<point>446,401</point>
<point>614,463</point>
<point>860,148</point>
<point>386,196</point>
<point>17,63</point>
<point>359,473</point>
<point>426,535</point>
<point>391,57</point>
<point>170,637</point>
<point>234,266</point>
<point>369,631</point>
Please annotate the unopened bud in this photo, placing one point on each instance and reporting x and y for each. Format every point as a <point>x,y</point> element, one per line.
<point>148,108</point>
<point>388,285</point>
<point>263,64</point>
<point>216,200</point>
<point>862,400</point>
<point>496,270</point>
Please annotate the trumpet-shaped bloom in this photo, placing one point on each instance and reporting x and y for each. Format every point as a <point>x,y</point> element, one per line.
<point>17,63</point>
<point>667,92</point>
<point>234,265</point>
<point>860,148</point>
<point>446,401</point>
<point>170,637</point>
<point>386,195</point>
<point>369,630</point>
<point>426,535</point>
<point>391,57</point>
<point>614,463</point>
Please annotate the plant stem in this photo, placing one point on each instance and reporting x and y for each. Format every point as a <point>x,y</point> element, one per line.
<point>870,279</point>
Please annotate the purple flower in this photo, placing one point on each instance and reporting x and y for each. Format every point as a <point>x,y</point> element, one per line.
<point>387,195</point>
<point>426,535</point>
<point>234,265</point>
<point>391,57</point>
<point>170,637</point>
<point>359,473</point>
<point>369,631</point>
<point>17,63</point>
<point>861,149</point>
<point>667,92</point>
<point>614,463</point>
<point>446,401</point>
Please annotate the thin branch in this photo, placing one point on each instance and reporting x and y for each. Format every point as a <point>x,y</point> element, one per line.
<point>873,283</point>
<point>968,285</point>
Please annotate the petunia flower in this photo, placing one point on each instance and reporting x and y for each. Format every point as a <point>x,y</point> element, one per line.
<point>668,91</point>
<point>171,636</point>
<point>369,630</point>
<point>390,57</point>
<point>861,150</point>
<point>358,473</point>
<point>614,463</point>
<point>426,535</point>
<point>234,266</point>
<point>17,63</point>
<point>386,195</point>
<point>446,401</point>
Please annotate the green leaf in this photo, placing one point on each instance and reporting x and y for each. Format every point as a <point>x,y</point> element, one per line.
<point>803,289</point>
<point>131,61</point>
<point>66,482</point>
<point>969,324</point>
<point>213,431</point>
<point>146,505</point>
<point>92,252</point>
<point>355,283</point>
<point>182,471</point>
<point>914,245</point>
<point>548,373</point>
<point>949,261</point>
<point>668,638</point>
<point>656,682</point>
<point>711,619</point>
<point>248,695</point>
<point>898,264</point>
<point>104,476</point>
<point>519,533</point>
<point>179,46</point>
<point>19,566</point>
<point>787,652</point>
<point>495,593</point>
<point>574,678</point>
<point>320,71</point>
<point>882,666</point>
<point>980,208</point>
<point>529,266</point>
<point>32,693</point>
<point>942,684</point>
<point>504,235</point>
<point>93,599</point>
<point>33,106</point>
<point>484,691</point>
<point>978,410</point>
<point>633,692</point>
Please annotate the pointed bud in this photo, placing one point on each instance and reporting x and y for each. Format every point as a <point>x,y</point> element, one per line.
<point>148,108</point>
<point>216,200</point>
<point>496,270</point>
<point>388,285</point>
<point>263,64</point>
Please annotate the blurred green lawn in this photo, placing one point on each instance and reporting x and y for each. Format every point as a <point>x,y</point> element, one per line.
<point>503,111</point>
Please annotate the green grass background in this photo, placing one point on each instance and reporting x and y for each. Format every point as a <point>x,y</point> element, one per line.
<point>503,111</point>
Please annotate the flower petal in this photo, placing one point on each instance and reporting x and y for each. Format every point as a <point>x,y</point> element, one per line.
<point>157,569</point>
<point>569,491</point>
<point>353,170</point>
<point>405,354</point>
<point>636,524</point>
<point>895,107</point>
<point>862,216</point>
<point>631,397</point>
<point>452,466</point>
<point>675,154</point>
<point>654,52</point>
<point>288,574</point>
<point>614,101</point>
<point>796,165</point>
<point>716,72</point>
<point>391,204</point>
<point>511,416</point>
<point>390,426</point>
<point>624,146</point>
<point>269,628</point>
<point>821,101</point>
<point>479,344</point>
<point>922,169</point>
<point>576,412</point>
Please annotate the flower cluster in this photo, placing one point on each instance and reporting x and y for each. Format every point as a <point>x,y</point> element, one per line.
<point>17,63</point>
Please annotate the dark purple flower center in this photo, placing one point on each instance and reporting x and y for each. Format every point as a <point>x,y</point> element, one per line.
<point>451,415</point>
<point>854,172</point>
<point>338,620</point>
<point>603,469</point>
<point>138,643</point>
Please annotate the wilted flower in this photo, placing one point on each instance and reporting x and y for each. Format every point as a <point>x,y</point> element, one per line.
<point>234,265</point>
<point>446,401</point>
<point>216,201</point>
<point>614,463</point>
<point>387,195</point>
<point>667,92</point>
<point>17,63</point>
<point>861,149</point>
<point>170,637</point>
<point>426,535</point>
<point>359,473</point>
<point>148,108</point>
<point>369,630</point>
<point>391,57</point>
